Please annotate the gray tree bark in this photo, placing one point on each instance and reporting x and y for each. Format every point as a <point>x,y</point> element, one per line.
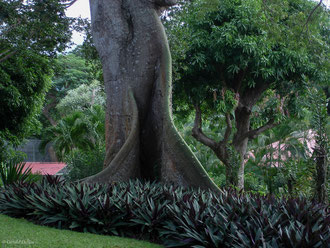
<point>141,140</point>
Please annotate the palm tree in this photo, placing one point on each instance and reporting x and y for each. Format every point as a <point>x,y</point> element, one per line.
<point>282,150</point>
<point>79,130</point>
<point>95,118</point>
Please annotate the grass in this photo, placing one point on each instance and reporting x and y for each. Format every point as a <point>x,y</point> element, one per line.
<point>21,233</point>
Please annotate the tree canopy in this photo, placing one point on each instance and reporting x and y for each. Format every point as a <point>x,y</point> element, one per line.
<point>231,55</point>
<point>37,25</point>
<point>24,81</point>
<point>81,98</point>
<point>70,71</point>
<point>31,33</point>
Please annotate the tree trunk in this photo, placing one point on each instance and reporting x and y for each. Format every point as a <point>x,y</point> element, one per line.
<point>240,141</point>
<point>223,153</point>
<point>248,99</point>
<point>46,113</point>
<point>321,163</point>
<point>141,140</point>
<point>231,175</point>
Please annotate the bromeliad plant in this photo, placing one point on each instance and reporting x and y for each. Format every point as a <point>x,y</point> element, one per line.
<point>174,216</point>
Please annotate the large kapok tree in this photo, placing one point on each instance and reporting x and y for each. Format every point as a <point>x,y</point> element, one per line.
<point>141,140</point>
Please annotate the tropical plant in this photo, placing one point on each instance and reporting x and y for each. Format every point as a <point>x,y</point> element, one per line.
<point>78,130</point>
<point>174,216</point>
<point>81,98</point>
<point>70,72</point>
<point>16,172</point>
<point>68,134</point>
<point>8,153</point>
<point>207,158</point>
<point>32,32</point>
<point>319,120</point>
<point>82,164</point>
<point>24,82</point>
<point>245,221</point>
<point>230,56</point>
<point>280,158</point>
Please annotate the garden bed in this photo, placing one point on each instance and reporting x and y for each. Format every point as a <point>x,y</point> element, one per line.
<point>170,215</point>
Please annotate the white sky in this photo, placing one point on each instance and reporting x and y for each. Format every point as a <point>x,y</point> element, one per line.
<point>81,8</point>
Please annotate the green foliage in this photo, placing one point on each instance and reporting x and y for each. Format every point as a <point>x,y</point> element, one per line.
<point>88,50</point>
<point>37,25</point>
<point>75,110</point>
<point>245,221</point>
<point>279,159</point>
<point>71,71</point>
<point>232,171</point>
<point>82,164</point>
<point>272,106</point>
<point>232,45</point>
<point>207,158</point>
<point>246,61</point>
<point>32,32</point>
<point>297,177</point>
<point>81,98</point>
<point>172,215</point>
<point>253,184</point>
<point>218,178</point>
<point>79,130</point>
<point>8,153</point>
<point>319,121</point>
<point>69,133</point>
<point>13,171</point>
<point>24,82</point>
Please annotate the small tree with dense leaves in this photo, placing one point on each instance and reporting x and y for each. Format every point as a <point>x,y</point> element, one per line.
<point>231,55</point>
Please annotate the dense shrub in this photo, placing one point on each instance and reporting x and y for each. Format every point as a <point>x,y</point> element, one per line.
<point>82,164</point>
<point>174,216</point>
<point>233,220</point>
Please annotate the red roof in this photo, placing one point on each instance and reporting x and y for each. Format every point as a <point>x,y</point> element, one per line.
<point>45,168</point>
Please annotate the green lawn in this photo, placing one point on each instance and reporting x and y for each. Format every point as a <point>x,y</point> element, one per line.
<point>21,233</point>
